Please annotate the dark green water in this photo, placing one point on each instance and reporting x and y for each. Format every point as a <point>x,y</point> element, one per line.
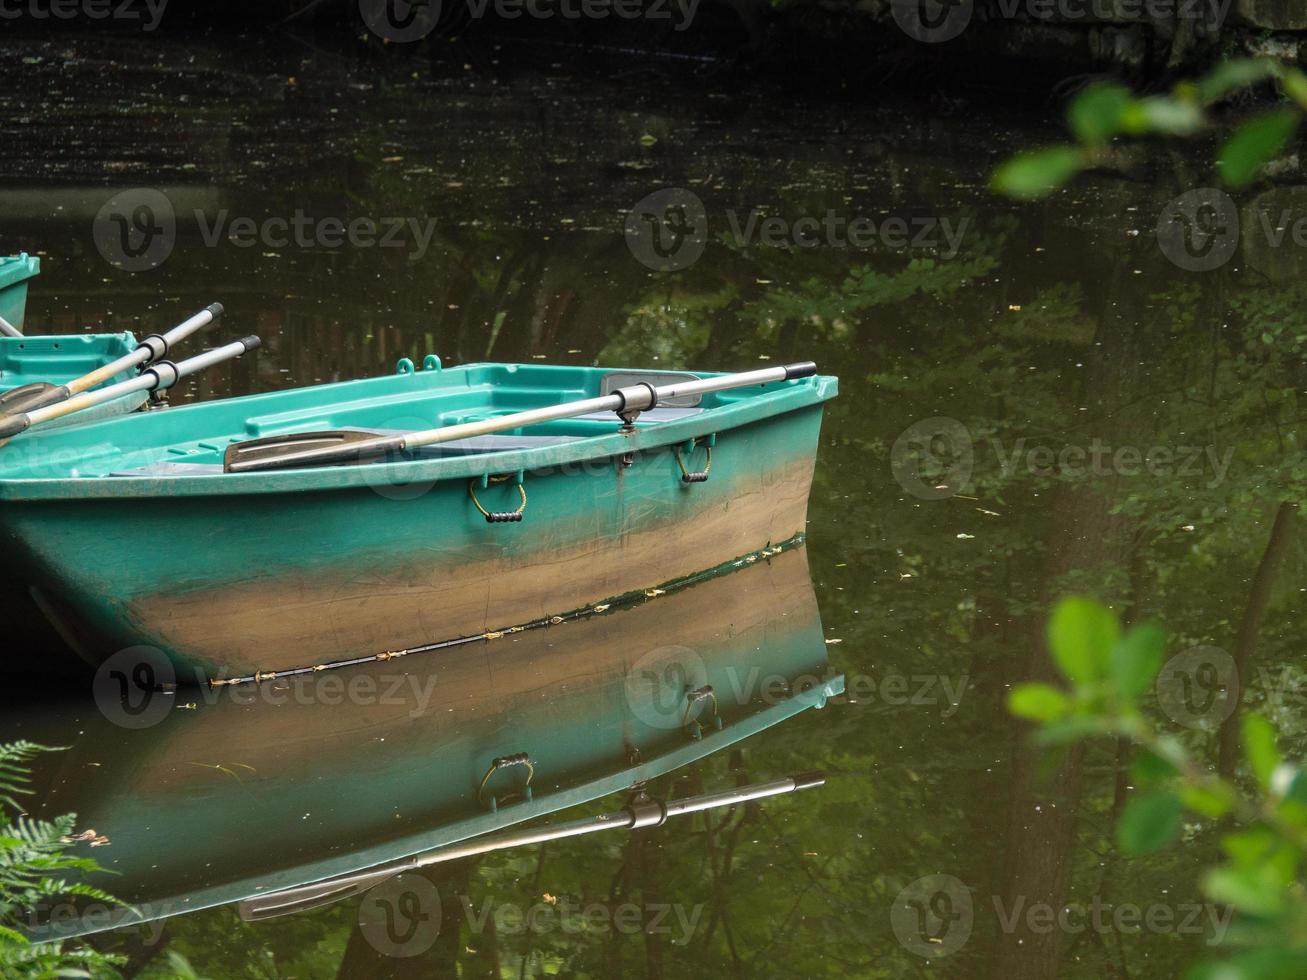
<point>1093,415</point>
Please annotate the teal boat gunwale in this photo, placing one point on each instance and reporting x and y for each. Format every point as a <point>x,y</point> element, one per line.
<point>784,397</point>
<point>542,804</point>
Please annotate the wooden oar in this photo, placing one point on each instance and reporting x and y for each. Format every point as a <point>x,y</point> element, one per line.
<point>8,329</point>
<point>39,394</point>
<point>353,446</point>
<point>158,376</point>
<point>643,812</point>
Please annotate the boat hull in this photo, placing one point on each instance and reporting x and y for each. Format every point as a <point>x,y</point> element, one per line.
<point>598,706</point>
<point>268,581</point>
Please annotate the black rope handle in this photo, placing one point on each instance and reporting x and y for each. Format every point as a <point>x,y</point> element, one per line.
<point>702,475</point>
<point>499,516</point>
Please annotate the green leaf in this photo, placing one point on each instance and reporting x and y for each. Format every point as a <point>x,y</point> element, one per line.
<point>1162,114</point>
<point>1254,143</point>
<point>1276,963</point>
<point>1259,748</point>
<point>1214,801</point>
<point>1038,702</point>
<point>1037,173</point>
<point>1294,84</point>
<point>1147,768</point>
<point>1255,889</point>
<point>1231,76</point>
<point>1250,846</point>
<point>1095,115</point>
<point>1149,821</point>
<point>1081,635</point>
<point>1070,730</point>
<point>1137,659</point>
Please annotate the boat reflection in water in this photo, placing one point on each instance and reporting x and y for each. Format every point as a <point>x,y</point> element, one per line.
<point>240,792</point>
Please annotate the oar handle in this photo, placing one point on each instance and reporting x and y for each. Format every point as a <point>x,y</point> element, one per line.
<point>158,344</point>
<point>8,329</point>
<point>158,376</point>
<point>150,349</point>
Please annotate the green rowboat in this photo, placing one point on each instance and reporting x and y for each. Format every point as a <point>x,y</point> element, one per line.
<point>16,271</point>
<point>245,791</point>
<point>54,359</point>
<point>130,532</point>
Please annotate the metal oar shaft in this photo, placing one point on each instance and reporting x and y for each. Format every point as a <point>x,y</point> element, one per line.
<point>161,376</point>
<point>150,349</point>
<point>636,398</point>
<point>8,329</point>
<point>639,814</point>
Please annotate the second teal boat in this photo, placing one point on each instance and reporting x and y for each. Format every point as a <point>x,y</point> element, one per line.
<point>55,359</point>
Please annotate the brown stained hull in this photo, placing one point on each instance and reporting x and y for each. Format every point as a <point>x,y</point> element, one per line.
<point>305,618</point>
<point>748,624</point>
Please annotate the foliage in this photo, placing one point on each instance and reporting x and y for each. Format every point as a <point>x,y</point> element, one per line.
<point>1265,843</point>
<point>34,858</point>
<point>1107,110</point>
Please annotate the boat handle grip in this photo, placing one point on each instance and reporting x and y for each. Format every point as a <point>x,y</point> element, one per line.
<point>507,762</point>
<point>498,516</point>
<point>700,476</point>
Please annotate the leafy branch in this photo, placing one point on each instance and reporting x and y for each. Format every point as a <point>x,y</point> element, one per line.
<point>1102,113</point>
<point>1108,673</point>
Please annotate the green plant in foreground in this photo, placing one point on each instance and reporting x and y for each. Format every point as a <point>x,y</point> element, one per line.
<point>33,861</point>
<point>1103,112</point>
<point>1108,673</point>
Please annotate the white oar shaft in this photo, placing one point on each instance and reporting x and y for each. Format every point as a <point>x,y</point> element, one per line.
<point>150,349</point>
<point>8,329</point>
<point>607,403</point>
<point>650,813</point>
<point>162,376</point>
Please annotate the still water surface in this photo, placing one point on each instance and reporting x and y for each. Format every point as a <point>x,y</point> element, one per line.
<point>1035,400</point>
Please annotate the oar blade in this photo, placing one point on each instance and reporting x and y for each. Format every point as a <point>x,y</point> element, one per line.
<point>28,397</point>
<point>275,452</point>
